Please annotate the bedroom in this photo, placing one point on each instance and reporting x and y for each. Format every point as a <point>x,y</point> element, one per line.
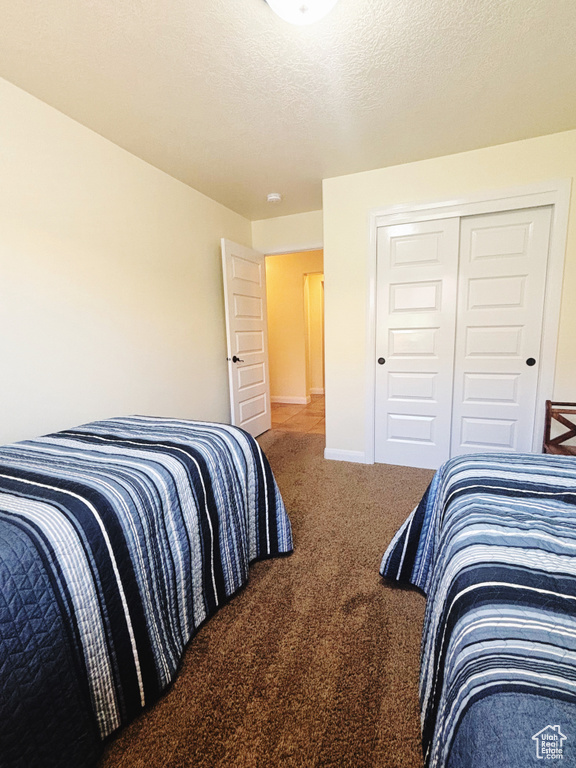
<point>111,289</point>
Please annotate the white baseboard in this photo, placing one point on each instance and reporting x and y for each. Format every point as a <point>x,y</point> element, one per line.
<point>316,390</point>
<point>291,400</point>
<point>334,454</point>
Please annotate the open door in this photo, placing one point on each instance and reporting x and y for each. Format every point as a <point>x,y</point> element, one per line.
<point>247,337</point>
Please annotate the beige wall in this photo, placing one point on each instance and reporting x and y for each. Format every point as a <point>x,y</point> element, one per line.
<point>110,291</point>
<point>315,315</point>
<point>287,321</point>
<point>288,234</point>
<point>348,200</point>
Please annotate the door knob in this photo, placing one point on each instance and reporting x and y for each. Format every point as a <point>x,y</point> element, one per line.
<point>236,359</point>
<point>381,361</point>
<point>530,361</point>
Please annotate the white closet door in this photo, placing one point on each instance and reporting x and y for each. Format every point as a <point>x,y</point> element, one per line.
<point>416,312</point>
<point>502,279</point>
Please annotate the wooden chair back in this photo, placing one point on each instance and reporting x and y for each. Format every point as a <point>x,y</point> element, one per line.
<point>565,414</point>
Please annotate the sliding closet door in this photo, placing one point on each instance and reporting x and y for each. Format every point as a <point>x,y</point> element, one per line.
<point>502,277</point>
<point>416,312</point>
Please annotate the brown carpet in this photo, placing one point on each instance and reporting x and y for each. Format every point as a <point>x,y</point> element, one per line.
<point>315,662</point>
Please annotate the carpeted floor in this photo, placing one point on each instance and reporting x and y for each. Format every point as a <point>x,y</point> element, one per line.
<point>315,662</point>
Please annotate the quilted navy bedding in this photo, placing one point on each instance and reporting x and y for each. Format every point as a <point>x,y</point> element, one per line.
<point>117,540</point>
<point>492,545</point>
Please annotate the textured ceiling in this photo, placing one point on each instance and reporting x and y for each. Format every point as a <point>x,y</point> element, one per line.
<point>230,99</point>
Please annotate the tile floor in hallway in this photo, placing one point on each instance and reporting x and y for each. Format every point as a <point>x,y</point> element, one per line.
<point>300,418</point>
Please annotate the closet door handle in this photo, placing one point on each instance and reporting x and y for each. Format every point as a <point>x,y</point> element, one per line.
<point>236,359</point>
<point>381,361</point>
<point>531,361</point>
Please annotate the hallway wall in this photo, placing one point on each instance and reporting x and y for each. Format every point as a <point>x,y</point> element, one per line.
<point>287,323</point>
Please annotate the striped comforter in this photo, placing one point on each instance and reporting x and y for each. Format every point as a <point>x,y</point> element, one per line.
<point>117,540</point>
<point>493,546</point>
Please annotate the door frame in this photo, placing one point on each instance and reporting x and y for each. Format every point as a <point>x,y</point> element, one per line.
<point>555,193</point>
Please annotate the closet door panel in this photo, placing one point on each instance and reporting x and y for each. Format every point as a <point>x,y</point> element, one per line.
<point>416,309</point>
<point>502,276</point>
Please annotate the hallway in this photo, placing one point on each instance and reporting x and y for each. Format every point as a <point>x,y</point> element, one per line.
<point>300,418</point>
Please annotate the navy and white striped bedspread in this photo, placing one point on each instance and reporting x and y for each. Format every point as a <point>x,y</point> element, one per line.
<point>493,546</point>
<point>135,530</point>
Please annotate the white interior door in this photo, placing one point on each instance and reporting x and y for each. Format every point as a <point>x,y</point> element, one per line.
<point>247,337</point>
<point>503,260</point>
<point>415,333</point>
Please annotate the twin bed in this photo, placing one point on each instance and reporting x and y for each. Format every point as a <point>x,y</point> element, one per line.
<point>492,545</point>
<point>118,539</point>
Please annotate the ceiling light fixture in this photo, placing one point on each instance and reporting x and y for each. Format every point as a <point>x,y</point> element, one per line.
<point>301,11</point>
<point>274,197</point>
